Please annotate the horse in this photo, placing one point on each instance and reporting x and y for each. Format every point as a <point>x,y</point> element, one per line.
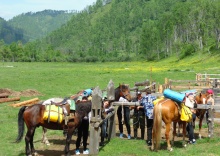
<point>33,117</point>
<point>75,98</point>
<point>168,111</point>
<point>122,90</point>
<point>200,99</point>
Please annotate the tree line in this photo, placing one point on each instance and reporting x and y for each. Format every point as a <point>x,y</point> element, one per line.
<point>125,30</point>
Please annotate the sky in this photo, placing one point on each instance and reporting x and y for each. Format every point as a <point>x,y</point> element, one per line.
<point>11,8</point>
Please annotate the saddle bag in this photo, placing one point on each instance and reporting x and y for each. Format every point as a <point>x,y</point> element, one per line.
<point>54,113</point>
<point>186,114</point>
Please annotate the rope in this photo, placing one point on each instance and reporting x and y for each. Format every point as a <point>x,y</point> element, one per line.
<point>122,112</point>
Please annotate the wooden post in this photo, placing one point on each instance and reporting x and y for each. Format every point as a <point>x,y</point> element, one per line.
<point>95,121</point>
<point>210,122</point>
<point>111,95</point>
<point>111,91</point>
<point>160,88</point>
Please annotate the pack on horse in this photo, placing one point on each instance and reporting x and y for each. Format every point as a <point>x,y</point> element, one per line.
<point>201,98</point>
<point>75,98</point>
<point>167,111</point>
<point>33,117</point>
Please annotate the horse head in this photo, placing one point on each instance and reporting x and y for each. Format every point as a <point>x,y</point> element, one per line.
<point>123,90</point>
<point>201,98</point>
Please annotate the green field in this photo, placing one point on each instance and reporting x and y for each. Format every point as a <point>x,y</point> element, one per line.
<point>65,79</point>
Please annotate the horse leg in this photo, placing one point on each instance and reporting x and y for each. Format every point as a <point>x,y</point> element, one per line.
<point>184,133</point>
<point>174,132</point>
<point>200,127</point>
<point>29,141</point>
<point>32,144</point>
<point>180,125</point>
<point>167,134</point>
<point>44,137</point>
<point>68,140</point>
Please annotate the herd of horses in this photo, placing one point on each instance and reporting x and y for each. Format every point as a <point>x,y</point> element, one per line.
<point>165,110</point>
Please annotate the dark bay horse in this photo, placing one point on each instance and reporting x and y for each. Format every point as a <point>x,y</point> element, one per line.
<point>33,117</point>
<point>168,111</point>
<point>122,90</point>
<point>75,98</point>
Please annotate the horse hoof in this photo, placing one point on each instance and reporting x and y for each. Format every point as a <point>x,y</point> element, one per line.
<point>47,143</point>
<point>171,149</point>
<point>184,145</point>
<point>35,154</point>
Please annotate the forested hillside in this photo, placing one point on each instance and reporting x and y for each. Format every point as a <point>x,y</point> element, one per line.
<point>9,34</point>
<point>37,25</point>
<point>123,30</point>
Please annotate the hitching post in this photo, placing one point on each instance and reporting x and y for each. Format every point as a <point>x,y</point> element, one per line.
<point>94,122</point>
<point>111,97</point>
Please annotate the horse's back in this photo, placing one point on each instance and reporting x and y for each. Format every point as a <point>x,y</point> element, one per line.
<point>169,110</point>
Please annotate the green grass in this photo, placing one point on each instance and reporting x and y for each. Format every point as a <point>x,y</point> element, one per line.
<point>65,79</point>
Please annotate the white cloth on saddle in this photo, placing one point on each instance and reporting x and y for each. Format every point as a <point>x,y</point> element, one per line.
<point>54,100</point>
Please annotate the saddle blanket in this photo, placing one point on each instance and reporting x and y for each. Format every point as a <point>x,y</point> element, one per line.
<point>57,100</point>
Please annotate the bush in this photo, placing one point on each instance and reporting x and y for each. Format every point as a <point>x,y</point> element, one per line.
<point>187,50</point>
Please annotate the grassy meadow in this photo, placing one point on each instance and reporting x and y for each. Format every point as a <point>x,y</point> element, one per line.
<point>65,79</point>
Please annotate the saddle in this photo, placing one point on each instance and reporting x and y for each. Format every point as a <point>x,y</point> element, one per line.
<point>57,110</point>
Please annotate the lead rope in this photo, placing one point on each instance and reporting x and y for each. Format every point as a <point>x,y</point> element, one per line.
<point>122,112</point>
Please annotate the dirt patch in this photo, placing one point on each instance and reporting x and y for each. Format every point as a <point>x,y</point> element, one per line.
<point>25,93</point>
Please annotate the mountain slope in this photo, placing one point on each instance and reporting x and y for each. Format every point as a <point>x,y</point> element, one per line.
<point>38,25</point>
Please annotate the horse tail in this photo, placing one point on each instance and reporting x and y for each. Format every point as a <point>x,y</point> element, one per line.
<point>157,125</point>
<point>20,124</point>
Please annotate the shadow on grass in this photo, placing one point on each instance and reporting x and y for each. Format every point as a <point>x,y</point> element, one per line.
<point>57,141</point>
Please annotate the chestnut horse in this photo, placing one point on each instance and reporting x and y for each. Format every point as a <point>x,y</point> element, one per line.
<point>33,117</point>
<point>168,111</point>
<point>200,99</point>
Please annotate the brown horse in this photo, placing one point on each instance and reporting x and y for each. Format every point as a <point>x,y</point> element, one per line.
<point>33,117</point>
<point>122,90</point>
<point>73,97</point>
<point>200,99</point>
<point>168,111</point>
